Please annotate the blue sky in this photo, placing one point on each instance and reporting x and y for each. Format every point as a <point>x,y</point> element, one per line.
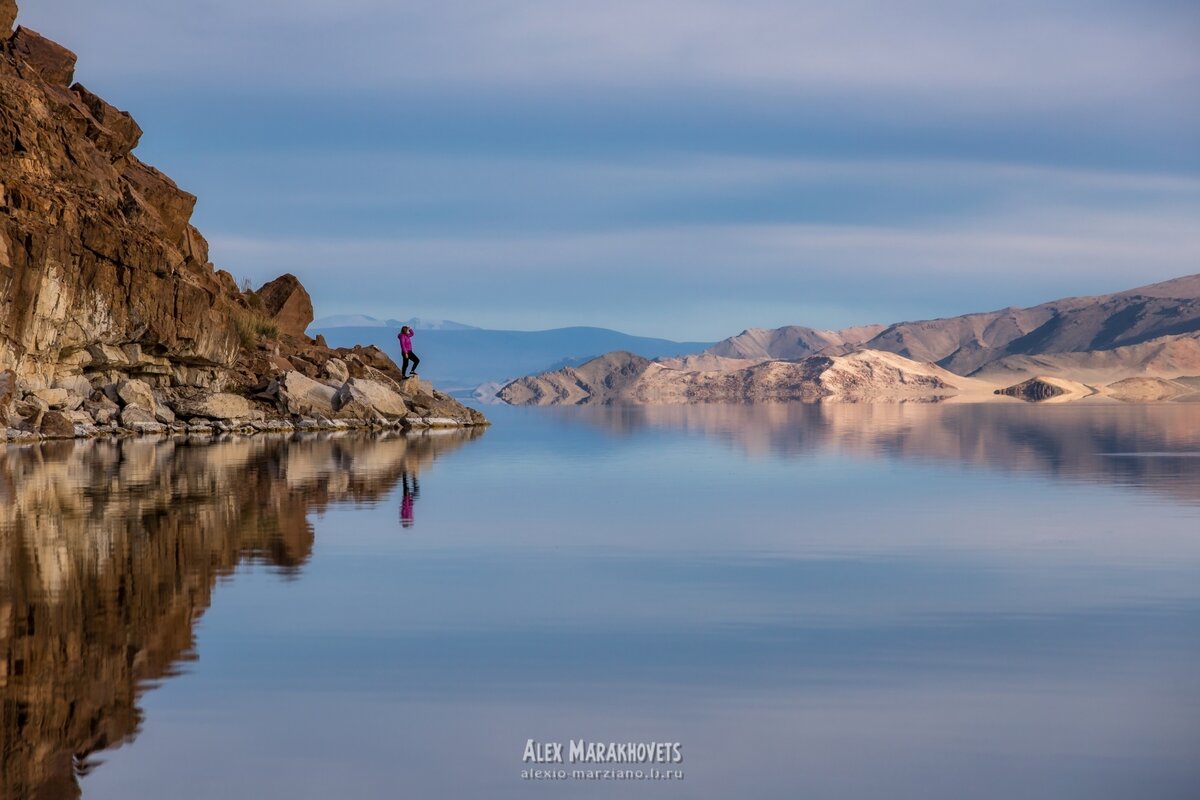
<point>681,168</point>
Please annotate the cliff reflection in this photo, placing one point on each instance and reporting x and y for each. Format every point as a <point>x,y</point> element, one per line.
<point>1155,447</point>
<point>109,553</point>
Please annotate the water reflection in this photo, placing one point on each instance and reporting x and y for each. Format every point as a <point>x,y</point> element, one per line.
<point>1149,446</point>
<point>110,551</point>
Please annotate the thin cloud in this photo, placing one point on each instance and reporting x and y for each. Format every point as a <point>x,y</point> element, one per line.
<point>1024,53</point>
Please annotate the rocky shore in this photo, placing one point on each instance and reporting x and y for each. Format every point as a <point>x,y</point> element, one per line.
<point>113,321</point>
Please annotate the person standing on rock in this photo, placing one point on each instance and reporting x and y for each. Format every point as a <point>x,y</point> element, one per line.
<point>405,337</point>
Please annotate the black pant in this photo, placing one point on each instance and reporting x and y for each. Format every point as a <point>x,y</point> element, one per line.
<point>409,357</point>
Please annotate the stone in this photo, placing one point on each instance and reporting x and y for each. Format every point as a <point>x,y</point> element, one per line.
<point>360,393</point>
<point>53,398</point>
<point>115,131</point>
<point>164,414</point>
<point>216,406</point>
<point>8,391</point>
<point>305,397</point>
<point>136,415</point>
<point>102,410</point>
<point>8,16</point>
<point>57,425</point>
<point>287,304</point>
<point>74,384</point>
<point>31,407</point>
<point>53,62</point>
<point>136,392</point>
<point>335,369</point>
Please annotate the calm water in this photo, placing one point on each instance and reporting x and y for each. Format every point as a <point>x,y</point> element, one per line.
<point>901,601</point>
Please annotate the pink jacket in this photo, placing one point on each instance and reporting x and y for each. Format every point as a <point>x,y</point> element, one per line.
<point>405,343</point>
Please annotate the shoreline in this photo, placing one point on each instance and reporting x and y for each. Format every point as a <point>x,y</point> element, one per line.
<point>242,427</point>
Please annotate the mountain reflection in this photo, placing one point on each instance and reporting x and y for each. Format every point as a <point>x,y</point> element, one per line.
<point>109,553</point>
<point>1155,447</point>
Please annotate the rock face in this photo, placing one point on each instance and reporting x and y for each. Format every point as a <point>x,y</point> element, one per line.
<point>105,283</point>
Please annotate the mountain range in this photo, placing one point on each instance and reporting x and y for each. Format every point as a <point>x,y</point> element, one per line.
<point>1064,348</point>
<point>364,321</point>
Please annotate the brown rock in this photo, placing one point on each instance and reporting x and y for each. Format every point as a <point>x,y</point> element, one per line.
<point>302,396</point>
<point>359,393</point>
<point>8,388</point>
<point>136,415</point>
<point>138,393</point>
<point>220,405</point>
<point>8,16</point>
<point>53,398</point>
<point>54,62</point>
<point>287,303</point>
<point>57,425</point>
<point>115,131</point>
<point>101,409</point>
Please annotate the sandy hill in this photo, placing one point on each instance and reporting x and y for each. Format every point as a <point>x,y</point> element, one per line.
<point>859,376</point>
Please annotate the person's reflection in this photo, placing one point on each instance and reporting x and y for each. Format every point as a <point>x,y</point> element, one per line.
<point>412,490</point>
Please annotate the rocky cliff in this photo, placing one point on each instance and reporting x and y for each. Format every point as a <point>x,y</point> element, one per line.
<point>105,282</point>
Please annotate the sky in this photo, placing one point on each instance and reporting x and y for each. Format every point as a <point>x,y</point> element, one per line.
<point>675,168</point>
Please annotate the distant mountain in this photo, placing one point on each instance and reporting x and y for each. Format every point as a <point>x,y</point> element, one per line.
<point>1073,325</point>
<point>793,341</point>
<point>465,358</point>
<point>363,321</point>
<point>628,379</point>
<point>1086,342</point>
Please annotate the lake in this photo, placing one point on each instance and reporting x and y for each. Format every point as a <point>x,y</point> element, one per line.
<point>809,601</point>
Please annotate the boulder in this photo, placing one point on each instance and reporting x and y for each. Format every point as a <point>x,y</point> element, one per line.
<point>53,398</point>
<point>287,303</point>
<point>335,369</point>
<point>163,413</point>
<point>8,16</point>
<point>359,394</point>
<point>302,396</point>
<point>101,409</point>
<point>8,392</point>
<point>31,408</point>
<point>53,62</point>
<point>132,391</point>
<point>57,425</point>
<point>134,415</point>
<point>74,384</point>
<point>218,406</point>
